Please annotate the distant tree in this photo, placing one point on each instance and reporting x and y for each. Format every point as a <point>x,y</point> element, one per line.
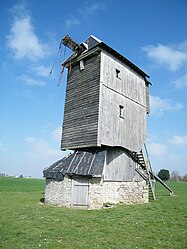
<point>175,176</point>
<point>21,176</point>
<point>184,178</point>
<point>164,174</point>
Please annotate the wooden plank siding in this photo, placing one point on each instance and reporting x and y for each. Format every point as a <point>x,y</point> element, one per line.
<point>129,83</point>
<point>82,105</point>
<point>79,195</point>
<point>94,97</point>
<point>119,166</point>
<point>129,92</point>
<point>147,98</point>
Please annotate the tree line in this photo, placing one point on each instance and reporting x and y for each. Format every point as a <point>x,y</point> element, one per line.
<point>165,175</point>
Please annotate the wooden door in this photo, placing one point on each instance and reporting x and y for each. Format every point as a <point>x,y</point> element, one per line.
<point>80,191</point>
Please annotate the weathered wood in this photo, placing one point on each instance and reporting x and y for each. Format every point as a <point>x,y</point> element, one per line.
<point>119,166</point>
<point>129,132</point>
<point>107,100</point>
<point>79,196</point>
<point>130,83</point>
<point>128,91</point>
<point>82,105</point>
<point>95,97</point>
<point>147,98</point>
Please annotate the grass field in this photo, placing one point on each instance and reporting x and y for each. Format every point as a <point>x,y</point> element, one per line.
<point>27,223</point>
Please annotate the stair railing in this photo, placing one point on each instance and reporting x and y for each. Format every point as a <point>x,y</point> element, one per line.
<point>151,173</point>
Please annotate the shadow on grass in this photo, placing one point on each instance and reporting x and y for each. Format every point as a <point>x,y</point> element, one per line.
<point>162,194</point>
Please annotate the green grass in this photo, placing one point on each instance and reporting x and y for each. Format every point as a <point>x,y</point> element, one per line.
<point>27,223</point>
<point>10,184</point>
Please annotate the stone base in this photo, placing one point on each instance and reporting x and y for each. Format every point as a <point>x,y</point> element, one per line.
<point>99,192</point>
<point>58,192</point>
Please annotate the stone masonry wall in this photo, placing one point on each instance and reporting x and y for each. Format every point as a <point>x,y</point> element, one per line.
<point>95,193</point>
<point>58,192</point>
<point>101,192</point>
<point>125,192</point>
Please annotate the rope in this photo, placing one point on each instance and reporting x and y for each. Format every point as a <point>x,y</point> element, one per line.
<point>70,66</point>
<point>55,58</point>
<point>62,59</point>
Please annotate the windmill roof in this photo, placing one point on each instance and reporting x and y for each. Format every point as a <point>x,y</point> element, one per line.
<point>88,162</point>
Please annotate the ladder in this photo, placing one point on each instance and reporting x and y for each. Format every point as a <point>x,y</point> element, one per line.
<point>142,159</point>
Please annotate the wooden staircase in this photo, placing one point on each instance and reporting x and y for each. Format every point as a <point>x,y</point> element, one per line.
<point>142,159</point>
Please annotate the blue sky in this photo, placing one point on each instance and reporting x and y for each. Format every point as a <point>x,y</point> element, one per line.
<point>152,34</point>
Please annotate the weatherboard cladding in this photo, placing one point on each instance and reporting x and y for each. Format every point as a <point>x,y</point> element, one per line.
<point>147,98</point>
<point>88,162</point>
<point>81,110</point>
<point>123,59</point>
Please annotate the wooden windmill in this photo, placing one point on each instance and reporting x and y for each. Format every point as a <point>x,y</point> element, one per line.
<point>107,100</point>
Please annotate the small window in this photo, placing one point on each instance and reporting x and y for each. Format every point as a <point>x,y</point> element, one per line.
<point>121,111</point>
<point>81,65</point>
<point>118,74</point>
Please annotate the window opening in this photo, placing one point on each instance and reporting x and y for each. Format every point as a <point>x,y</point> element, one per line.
<point>81,65</point>
<point>121,111</point>
<point>118,74</point>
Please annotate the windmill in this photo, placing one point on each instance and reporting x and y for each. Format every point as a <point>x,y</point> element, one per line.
<point>107,100</point>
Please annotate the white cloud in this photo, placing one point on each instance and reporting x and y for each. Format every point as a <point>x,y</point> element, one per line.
<point>159,106</point>
<point>39,154</point>
<point>71,22</point>
<point>172,57</point>
<point>179,140</point>
<point>157,149</point>
<point>56,134</point>
<point>19,9</point>
<point>32,82</point>
<point>151,138</point>
<point>181,82</point>
<point>163,155</point>
<point>22,39</point>
<point>41,70</point>
<point>30,140</point>
<point>40,148</point>
<point>87,10</point>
